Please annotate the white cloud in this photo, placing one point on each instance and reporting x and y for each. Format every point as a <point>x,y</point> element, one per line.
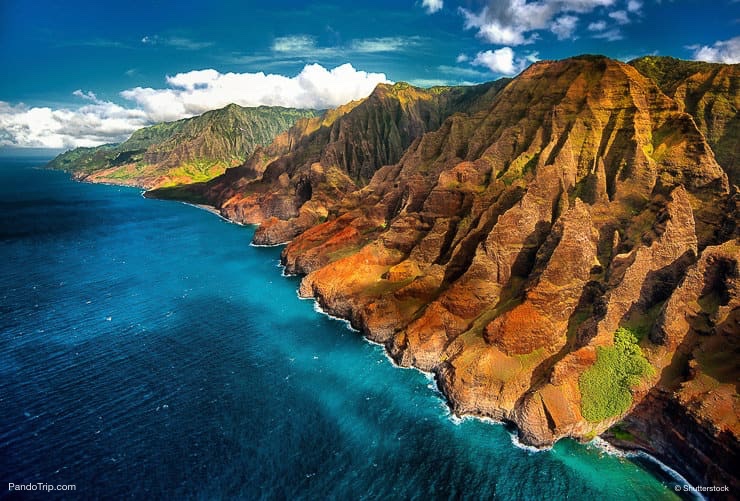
<point>294,44</point>
<point>634,6</point>
<point>597,26</point>
<point>89,125</point>
<point>532,57</point>
<point>620,16</point>
<point>564,26</point>
<point>89,95</point>
<point>460,71</point>
<point>503,61</point>
<point>516,22</point>
<point>612,35</point>
<point>723,51</point>
<point>498,61</point>
<point>305,46</point>
<point>195,92</point>
<point>432,6</point>
<point>383,44</point>
<point>187,94</point>
<point>181,43</point>
<point>461,58</point>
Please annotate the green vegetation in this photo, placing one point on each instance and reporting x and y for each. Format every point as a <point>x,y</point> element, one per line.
<point>621,433</point>
<point>185,151</point>
<point>605,386</point>
<point>668,72</point>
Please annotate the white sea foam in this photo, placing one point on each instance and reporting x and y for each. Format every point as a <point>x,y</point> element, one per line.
<point>318,309</point>
<point>283,273</point>
<point>388,356</point>
<point>529,448</point>
<point>679,479</point>
<point>212,210</point>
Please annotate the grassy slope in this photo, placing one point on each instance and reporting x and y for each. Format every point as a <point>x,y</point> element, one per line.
<point>184,151</point>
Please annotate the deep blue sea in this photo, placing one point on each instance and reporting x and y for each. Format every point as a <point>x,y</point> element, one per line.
<point>148,351</point>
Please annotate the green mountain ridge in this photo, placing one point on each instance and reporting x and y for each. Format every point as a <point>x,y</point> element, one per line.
<point>184,151</point>
<point>710,93</point>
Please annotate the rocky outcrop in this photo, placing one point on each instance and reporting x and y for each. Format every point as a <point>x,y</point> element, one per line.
<point>691,416</point>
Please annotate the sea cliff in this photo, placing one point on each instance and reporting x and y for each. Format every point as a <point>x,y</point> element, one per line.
<point>560,249</point>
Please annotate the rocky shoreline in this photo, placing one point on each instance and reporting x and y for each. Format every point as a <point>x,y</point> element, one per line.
<point>561,250</point>
<point>611,443</point>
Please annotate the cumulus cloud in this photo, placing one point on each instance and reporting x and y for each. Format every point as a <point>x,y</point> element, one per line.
<point>195,92</point>
<point>503,61</point>
<point>461,58</point>
<point>723,51</point>
<point>498,61</point>
<point>432,6</point>
<point>516,22</point>
<point>89,125</point>
<point>597,26</point>
<point>187,94</point>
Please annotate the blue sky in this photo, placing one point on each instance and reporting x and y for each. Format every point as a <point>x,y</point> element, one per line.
<point>78,73</point>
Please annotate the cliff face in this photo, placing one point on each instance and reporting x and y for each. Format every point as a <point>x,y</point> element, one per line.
<point>564,257</point>
<point>710,93</point>
<point>182,152</point>
<point>292,184</point>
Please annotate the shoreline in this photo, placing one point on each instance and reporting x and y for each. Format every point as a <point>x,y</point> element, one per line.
<point>599,442</point>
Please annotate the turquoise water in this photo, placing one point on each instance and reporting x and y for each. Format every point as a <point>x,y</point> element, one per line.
<point>148,350</point>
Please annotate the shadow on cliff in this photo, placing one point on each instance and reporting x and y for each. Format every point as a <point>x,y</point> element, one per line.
<point>194,193</point>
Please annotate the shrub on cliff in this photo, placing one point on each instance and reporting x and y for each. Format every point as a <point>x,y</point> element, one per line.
<point>605,386</point>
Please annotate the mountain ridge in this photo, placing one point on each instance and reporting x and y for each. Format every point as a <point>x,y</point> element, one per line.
<point>184,151</point>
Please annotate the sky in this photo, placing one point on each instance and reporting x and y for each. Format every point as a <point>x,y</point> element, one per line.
<point>84,73</point>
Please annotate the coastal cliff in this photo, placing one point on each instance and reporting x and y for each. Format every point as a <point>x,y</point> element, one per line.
<point>561,250</point>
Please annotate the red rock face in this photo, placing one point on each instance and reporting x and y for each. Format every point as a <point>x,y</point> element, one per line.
<point>510,242</point>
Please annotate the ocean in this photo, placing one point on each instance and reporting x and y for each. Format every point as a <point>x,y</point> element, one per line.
<point>147,350</point>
